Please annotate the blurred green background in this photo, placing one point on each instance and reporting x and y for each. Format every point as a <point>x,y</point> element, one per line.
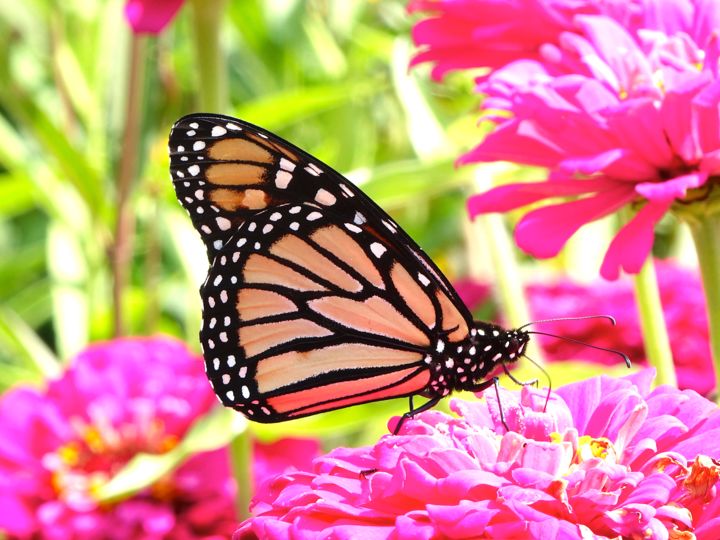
<point>330,76</point>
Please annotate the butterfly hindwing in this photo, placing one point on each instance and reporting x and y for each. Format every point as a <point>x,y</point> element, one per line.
<point>300,315</point>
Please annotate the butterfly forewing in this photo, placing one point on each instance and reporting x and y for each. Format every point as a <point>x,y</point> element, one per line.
<point>315,298</point>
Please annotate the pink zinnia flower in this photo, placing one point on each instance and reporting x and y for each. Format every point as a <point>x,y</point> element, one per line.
<point>462,34</point>
<point>609,458</point>
<point>117,399</point>
<point>621,116</point>
<point>151,16</point>
<point>684,312</point>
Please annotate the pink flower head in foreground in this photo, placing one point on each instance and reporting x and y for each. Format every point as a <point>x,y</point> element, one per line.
<point>621,116</point>
<point>609,458</point>
<point>117,399</point>
<point>151,16</point>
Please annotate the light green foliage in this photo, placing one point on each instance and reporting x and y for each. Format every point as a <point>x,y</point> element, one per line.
<point>330,76</point>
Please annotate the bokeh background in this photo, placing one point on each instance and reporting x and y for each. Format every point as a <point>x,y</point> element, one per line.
<point>94,246</point>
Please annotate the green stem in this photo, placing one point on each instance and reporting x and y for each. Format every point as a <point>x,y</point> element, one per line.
<point>499,246</point>
<point>652,322</point>
<point>241,462</point>
<point>127,169</point>
<point>706,235</point>
<point>491,239</point>
<point>210,61</point>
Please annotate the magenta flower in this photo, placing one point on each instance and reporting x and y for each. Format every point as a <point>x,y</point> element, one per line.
<point>684,311</point>
<point>609,458</point>
<point>621,116</point>
<point>151,16</point>
<point>117,399</point>
<point>462,34</point>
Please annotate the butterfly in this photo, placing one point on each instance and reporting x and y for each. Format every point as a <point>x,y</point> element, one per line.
<point>315,298</point>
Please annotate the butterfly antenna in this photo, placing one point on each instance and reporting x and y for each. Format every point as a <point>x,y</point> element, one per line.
<point>580,318</point>
<point>577,341</point>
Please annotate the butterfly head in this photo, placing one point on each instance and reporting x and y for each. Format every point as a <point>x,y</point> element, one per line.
<point>498,344</point>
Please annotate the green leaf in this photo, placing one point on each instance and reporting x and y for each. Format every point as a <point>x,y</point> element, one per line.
<point>210,432</point>
<point>31,351</point>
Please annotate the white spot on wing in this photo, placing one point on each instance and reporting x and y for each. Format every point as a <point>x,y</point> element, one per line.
<point>218,244</point>
<point>230,395</point>
<point>194,170</point>
<point>287,165</point>
<point>324,197</point>
<point>198,145</point>
<point>233,127</point>
<point>312,216</point>
<point>377,249</point>
<point>353,228</point>
<point>282,179</point>
<point>245,392</point>
<point>217,131</point>
<point>423,279</point>
<point>223,223</point>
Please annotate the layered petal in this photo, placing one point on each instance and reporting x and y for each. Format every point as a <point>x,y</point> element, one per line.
<point>568,470</point>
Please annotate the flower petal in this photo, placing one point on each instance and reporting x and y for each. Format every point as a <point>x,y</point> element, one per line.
<point>543,232</point>
<point>631,246</point>
<point>151,16</point>
<point>511,196</point>
<point>669,190</point>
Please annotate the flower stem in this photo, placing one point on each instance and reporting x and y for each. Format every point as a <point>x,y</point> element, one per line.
<point>706,235</point>
<point>127,169</point>
<point>241,462</point>
<point>209,59</point>
<point>491,239</point>
<point>652,322</point>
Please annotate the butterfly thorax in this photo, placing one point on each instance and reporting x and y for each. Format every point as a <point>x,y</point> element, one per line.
<point>462,365</point>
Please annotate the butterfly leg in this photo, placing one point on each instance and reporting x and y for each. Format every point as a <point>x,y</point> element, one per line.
<point>412,412</point>
<point>484,386</point>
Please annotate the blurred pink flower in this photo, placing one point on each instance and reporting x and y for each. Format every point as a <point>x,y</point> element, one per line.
<point>117,399</point>
<point>151,16</point>
<point>609,458</point>
<point>462,34</point>
<point>684,311</point>
<point>622,116</point>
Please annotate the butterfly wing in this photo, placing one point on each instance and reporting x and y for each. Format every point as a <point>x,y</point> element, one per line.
<point>315,299</point>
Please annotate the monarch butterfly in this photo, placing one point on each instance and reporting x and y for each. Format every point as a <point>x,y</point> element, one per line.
<point>315,298</point>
